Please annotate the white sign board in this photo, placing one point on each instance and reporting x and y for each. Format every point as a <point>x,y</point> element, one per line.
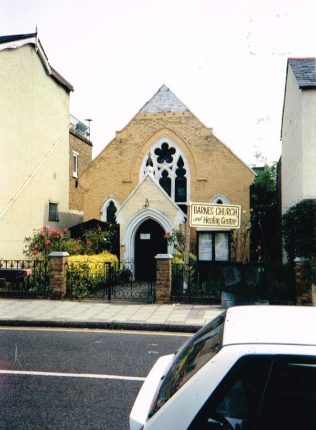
<point>145,236</point>
<point>215,215</point>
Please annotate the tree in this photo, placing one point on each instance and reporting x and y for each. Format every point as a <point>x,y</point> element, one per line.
<point>265,223</point>
<point>299,230</point>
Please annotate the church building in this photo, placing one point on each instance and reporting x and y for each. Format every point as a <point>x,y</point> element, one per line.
<point>146,177</point>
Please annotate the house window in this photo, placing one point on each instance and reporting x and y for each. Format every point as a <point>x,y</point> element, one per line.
<point>53,212</point>
<point>75,157</point>
<point>213,246</point>
<point>170,169</point>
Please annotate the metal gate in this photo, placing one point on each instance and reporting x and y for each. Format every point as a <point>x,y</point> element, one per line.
<point>110,282</point>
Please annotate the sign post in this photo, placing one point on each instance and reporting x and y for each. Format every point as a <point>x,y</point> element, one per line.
<point>186,252</point>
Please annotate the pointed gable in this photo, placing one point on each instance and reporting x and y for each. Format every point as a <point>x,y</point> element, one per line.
<point>17,41</point>
<point>158,200</point>
<point>164,101</point>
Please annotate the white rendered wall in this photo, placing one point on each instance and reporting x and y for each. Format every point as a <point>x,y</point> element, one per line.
<point>34,117</point>
<point>292,139</point>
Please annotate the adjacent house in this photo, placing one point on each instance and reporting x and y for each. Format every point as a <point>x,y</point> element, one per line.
<point>298,133</point>
<point>37,144</point>
<point>146,176</point>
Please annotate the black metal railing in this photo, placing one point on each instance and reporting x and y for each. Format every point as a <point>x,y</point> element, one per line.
<point>24,278</point>
<point>248,282</point>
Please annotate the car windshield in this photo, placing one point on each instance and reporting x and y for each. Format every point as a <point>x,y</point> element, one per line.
<point>194,353</point>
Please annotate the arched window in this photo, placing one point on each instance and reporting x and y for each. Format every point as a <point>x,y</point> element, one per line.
<point>109,210</point>
<point>165,182</point>
<point>220,199</point>
<point>180,182</point>
<point>170,169</point>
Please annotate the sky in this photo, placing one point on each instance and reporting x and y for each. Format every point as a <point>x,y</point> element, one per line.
<point>225,60</point>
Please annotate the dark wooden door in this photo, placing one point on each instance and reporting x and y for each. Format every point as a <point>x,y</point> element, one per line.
<point>149,242</point>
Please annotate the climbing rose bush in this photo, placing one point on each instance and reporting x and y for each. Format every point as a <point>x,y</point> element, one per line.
<point>46,240</point>
<point>177,239</point>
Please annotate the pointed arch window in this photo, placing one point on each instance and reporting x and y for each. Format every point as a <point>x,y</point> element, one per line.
<point>165,182</point>
<point>220,199</point>
<point>109,210</point>
<point>170,169</point>
<point>180,182</point>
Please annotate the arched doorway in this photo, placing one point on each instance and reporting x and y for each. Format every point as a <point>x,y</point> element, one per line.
<point>149,241</point>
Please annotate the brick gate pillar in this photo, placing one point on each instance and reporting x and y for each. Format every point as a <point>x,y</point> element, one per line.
<point>58,274</point>
<point>163,278</point>
<point>303,283</point>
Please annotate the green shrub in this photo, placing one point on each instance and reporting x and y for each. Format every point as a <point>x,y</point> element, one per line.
<point>299,230</point>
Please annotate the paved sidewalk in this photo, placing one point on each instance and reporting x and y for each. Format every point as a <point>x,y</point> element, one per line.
<point>92,314</point>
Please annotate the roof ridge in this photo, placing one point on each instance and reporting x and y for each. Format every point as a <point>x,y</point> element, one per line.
<point>14,37</point>
<point>164,100</point>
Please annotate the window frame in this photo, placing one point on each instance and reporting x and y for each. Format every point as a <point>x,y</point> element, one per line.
<point>170,168</point>
<point>213,234</point>
<point>105,206</point>
<point>274,364</point>
<point>75,164</point>
<point>182,368</point>
<point>55,216</point>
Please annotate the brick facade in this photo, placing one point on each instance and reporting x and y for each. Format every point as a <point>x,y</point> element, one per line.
<point>212,168</point>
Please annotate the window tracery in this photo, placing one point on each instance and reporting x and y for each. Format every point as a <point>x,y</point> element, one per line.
<point>169,169</point>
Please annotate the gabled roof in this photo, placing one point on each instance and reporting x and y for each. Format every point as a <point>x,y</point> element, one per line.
<point>14,37</point>
<point>304,71</point>
<point>163,101</point>
<point>305,75</point>
<point>16,41</point>
<point>149,177</point>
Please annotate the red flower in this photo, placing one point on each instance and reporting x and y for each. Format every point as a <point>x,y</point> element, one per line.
<point>47,242</point>
<point>167,235</point>
<point>88,242</point>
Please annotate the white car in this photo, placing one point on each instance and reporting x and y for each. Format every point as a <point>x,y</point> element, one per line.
<point>251,368</point>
